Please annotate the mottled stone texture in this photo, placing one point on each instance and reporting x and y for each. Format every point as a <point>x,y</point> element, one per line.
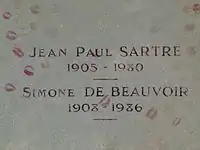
<point>164,123</point>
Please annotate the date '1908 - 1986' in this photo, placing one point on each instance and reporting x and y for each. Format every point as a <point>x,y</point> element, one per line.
<point>115,107</point>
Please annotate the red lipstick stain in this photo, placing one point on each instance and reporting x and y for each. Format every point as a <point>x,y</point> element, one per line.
<point>28,70</point>
<point>105,101</point>
<point>18,52</point>
<point>7,15</point>
<point>104,105</point>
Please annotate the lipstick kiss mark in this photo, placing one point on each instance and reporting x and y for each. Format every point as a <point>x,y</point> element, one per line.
<point>11,35</point>
<point>106,103</point>
<point>28,70</point>
<point>18,52</point>
<point>151,113</point>
<point>9,87</point>
<point>176,121</point>
<point>103,99</point>
<point>7,15</point>
<point>196,8</point>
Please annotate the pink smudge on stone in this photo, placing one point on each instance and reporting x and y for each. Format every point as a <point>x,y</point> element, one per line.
<point>9,87</point>
<point>196,8</point>
<point>105,101</point>
<point>18,52</point>
<point>151,113</point>
<point>11,35</point>
<point>189,27</point>
<point>7,15</point>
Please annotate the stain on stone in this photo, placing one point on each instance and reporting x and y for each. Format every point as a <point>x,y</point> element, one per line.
<point>9,87</point>
<point>191,50</point>
<point>35,9</point>
<point>176,121</point>
<point>193,9</point>
<point>193,132</point>
<point>152,113</point>
<point>189,27</point>
<point>196,8</point>
<point>11,35</point>
<point>7,15</point>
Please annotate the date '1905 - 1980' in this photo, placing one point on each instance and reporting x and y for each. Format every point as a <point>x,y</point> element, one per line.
<point>117,67</point>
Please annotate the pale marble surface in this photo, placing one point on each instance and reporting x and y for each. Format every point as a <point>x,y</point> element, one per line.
<point>45,124</point>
